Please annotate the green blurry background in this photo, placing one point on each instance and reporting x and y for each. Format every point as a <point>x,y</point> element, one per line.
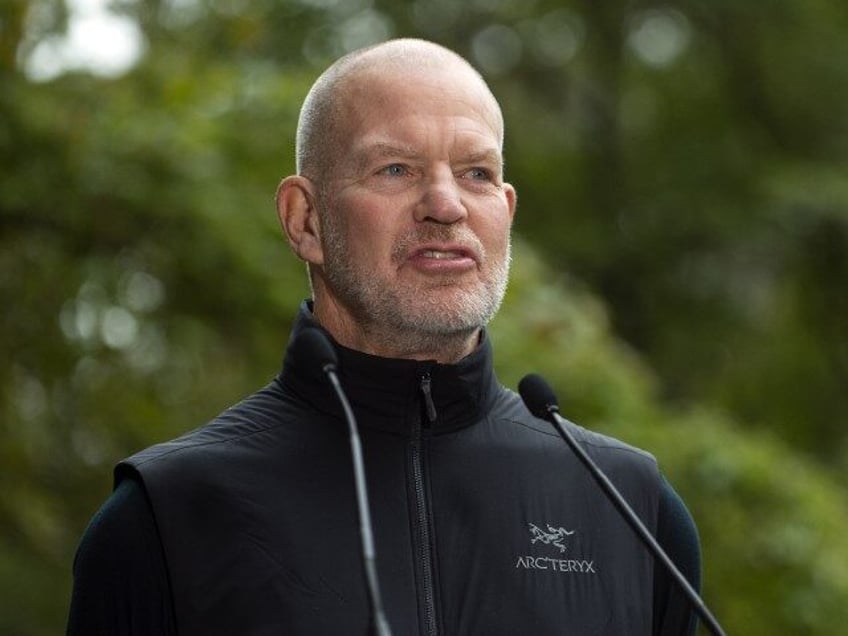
<point>681,258</point>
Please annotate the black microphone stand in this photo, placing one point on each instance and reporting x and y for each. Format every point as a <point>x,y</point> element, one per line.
<point>633,520</point>
<point>314,346</point>
<point>381,625</point>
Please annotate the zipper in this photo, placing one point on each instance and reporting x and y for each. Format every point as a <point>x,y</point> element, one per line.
<point>429,407</point>
<point>423,519</point>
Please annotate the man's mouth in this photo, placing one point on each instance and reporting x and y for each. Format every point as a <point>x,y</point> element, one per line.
<point>442,255</point>
<point>442,259</point>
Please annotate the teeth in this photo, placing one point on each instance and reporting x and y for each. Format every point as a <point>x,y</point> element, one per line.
<point>439,255</point>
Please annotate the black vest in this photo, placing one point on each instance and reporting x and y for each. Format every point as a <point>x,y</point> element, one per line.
<point>484,521</point>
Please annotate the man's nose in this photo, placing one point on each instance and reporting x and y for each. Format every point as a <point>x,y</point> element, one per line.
<point>441,200</point>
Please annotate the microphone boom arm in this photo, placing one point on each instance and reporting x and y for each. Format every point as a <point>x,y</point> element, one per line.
<point>633,520</point>
<point>381,625</point>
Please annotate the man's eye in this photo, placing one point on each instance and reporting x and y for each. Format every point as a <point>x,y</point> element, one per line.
<point>479,174</point>
<point>394,170</point>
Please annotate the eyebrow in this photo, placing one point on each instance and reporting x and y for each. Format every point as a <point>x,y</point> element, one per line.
<point>490,156</point>
<point>380,150</point>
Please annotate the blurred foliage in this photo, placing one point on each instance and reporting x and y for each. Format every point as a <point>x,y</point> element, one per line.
<point>680,275</point>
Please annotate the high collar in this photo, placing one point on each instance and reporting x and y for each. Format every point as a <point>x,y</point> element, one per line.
<point>389,393</point>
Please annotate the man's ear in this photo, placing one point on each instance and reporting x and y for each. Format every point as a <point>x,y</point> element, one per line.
<point>298,216</point>
<point>511,200</point>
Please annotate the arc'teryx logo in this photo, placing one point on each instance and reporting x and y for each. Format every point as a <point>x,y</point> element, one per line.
<point>554,536</point>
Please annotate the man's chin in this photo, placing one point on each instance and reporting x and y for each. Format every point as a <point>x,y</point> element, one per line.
<point>444,318</point>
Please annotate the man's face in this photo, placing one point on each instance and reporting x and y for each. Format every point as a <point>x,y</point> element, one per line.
<point>415,216</point>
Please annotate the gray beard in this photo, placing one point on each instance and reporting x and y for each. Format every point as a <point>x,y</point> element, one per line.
<point>402,318</point>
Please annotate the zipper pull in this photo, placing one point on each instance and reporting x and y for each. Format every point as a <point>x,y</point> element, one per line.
<point>428,398</point>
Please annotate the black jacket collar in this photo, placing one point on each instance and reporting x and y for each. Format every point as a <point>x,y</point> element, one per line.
<point>389,393</point>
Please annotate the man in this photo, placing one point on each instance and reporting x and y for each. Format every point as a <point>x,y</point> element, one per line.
<point>484,522</point>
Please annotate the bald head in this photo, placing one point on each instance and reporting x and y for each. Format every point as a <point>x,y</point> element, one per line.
<point>320,130</point>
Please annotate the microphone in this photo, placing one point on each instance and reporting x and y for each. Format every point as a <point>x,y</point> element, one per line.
<point>541,401</point>
<point>314,346</point>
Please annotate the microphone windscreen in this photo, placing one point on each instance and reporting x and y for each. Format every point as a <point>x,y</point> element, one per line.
<point>313,349</point>
<point>537,394</point>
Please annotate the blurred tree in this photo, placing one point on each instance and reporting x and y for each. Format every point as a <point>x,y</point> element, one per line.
<point>685,193</point>
<point>695,181</point>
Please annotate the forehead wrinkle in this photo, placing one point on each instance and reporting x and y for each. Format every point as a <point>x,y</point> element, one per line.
<point>377,88</point>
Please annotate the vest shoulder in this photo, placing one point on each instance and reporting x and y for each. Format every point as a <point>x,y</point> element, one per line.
<point>243,424</point>
<point>600,446</point>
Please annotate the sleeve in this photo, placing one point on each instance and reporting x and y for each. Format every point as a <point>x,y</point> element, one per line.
<point>678,536</point>
<point>121,585</point>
